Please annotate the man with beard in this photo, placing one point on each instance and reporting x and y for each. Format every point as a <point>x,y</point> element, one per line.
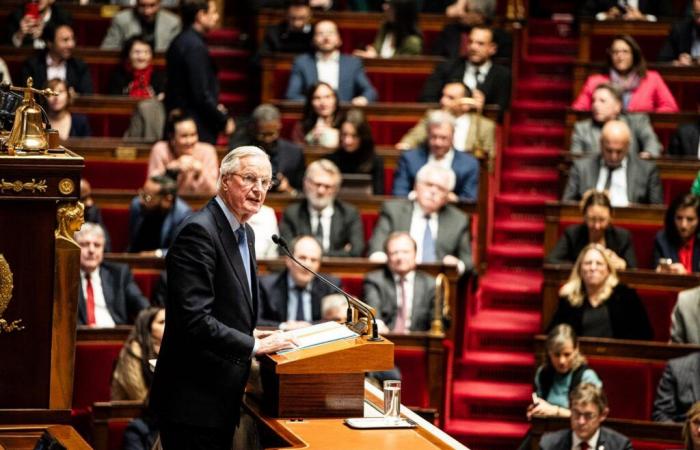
<point>155,214</point>
<point>158,26</point>
<point>336,224</point>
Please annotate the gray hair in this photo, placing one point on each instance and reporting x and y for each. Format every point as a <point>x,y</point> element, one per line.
<point>90,229</point>
<point>331,302</point>
<point>325,165</point>
<point>443,172</point>
<point>232,161</point>
<point>266,113</point>
<point>440,117</point>
<point>486,8</point>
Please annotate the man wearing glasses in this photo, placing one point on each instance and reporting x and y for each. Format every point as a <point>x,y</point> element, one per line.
<point>589,409</point>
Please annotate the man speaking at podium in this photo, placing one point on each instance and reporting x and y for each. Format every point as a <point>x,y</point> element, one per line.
<point>212,307</point>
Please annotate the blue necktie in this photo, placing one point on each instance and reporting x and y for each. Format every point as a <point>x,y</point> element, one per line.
<point>300,303</point>
<point>245,254</point>
<point>428,243</point>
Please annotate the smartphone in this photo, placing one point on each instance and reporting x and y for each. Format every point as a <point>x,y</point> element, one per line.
<point>31,9</point>
<point>665,263</point>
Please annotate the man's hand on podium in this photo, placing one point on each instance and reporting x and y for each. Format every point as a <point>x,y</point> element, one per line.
<point>273,341</point>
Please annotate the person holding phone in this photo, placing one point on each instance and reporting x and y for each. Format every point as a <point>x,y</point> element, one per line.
<point>26,24</point>
<point>676,247</point>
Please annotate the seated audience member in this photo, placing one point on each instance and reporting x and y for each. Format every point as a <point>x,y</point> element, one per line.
<point>440,230</point>
<point>147,121</point>
<point>399,34</point>
<point>563,370</point>
<point>595,303</point>
<point>335,223</point>
<point>108,295</point>
<point>616,10</point>
<point>334,307</point>
<point>264,224</point>
<point>57,61</point>
<point>193,163</point>
<point>292,35</point>
<point>291,299</point>
<point>132,375</point>
<point>685,319</point>
<point>595,229</point>
<point>691,428</point>
<point>355,154</point>
<point>625,177</point>
<point>320,120</point>
<point>486,80</point>
<point>642,90</point>
<point>589,409</point>
<point>686,141</point>
<point>157,26</point>
<point>606,106</point>
<point>402,296</point>
<point>677,246</point>
<point>439,150</point>
<point>67,123</point>
<point>136,76</point>
<point>343,73</point>
<point>5,77</point>
<point>155,214</point>
<point>25,25</point>
<point>287,158</point>
<point>453,40</point>
<point>473,132</point>
<point>678,389</point>
<point>92,212</point>
<point>682,47</point>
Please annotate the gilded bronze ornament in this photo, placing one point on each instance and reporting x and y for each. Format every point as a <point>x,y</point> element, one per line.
<point>19,186</point>
<point>70,218</point>
<point>66,186</point>
<point>6,287</point>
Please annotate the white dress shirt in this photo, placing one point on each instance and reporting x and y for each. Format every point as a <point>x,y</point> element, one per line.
<point>445,161</point>
<point>459,139</point>
<point>592,442</point>
<point>326,217</point>
<point>618,184</point>
<point>264,224</point>
<point>103,318</point>
<point>55,69</point>
<point>473,75</point>
<point>328,68</point>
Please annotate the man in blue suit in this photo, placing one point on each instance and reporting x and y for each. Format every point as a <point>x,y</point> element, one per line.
<point>439,150</point>
<point>345,73</point>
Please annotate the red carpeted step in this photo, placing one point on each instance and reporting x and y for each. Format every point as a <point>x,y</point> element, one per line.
<point>224,36</point>
<point>490,399</point>
<point>495,366</point>
<point>552,45</point>
<point>527,179</point>
<point>230,58</point>
<point>521,205</point>
<point>533,134</point>
<point>519,230</point>
<point>508,289</point>
<point>502,330</point>
<point>232,81</point>
<point>518,251</point>
<point>533,152</point>
<point>544,88</point>
<point>546,65</point>
<point>235,102</point>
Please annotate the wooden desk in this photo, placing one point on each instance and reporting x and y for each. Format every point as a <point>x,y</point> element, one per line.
<point>104,413</point>
<point>21,437</point>
<point>596,36</point>
<point>311,433</point>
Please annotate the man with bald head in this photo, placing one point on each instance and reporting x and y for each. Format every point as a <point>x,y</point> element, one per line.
<point>344,73</point>
<point>627,178</point>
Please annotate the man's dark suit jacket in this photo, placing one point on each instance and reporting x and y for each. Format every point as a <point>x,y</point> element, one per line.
<point>685,140</point>
<point>678,389</point>
<point>192,83</point>
<point>575,238</point>
<point>464,165</point>
<point>274,298</point>
<point>346,227</point>
<point>563,440</point>
<point>663,248</point>
<point>77,73</point>
<point>352,80</point>
<point>643,182</point>
<point>278,38</point>
<point>448,42</point>
<point>680,40</point>
<point>659,9</point>
<point>496,85</point>
<point>205,357</point>
<point>59,16</point>
<point>122,295</point>
<point>380,293</point>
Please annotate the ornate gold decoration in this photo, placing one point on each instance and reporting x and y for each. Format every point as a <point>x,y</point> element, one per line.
<point>70,219</point>
<point>19,186</point>
<point>28,132</point>
<point>5,297</point>
<point>66,186</point>
<point>441,307</point>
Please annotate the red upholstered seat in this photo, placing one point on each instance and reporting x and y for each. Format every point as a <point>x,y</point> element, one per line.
<point>659,305</point>
<point>116,433</point>
<point>414,382</point>
<point>115,174</point>
<point>651,445</point>
<point>352,284</point>
<point>108,124</point>
<point>94,363</point>
<point>147,279</point>
<point>116,219</point>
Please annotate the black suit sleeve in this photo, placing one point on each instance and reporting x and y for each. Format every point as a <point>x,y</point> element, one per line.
<point>627,249</point>
<point>562,251</point>
<point>378,176</point>
<point>665,407</point>
<point>671,49</point>
<point>135,301</point>
<point>432,90</point>
<point>202,97</point>
<point>636,318</point>
<point>655,191</point>
<point>83,80</point>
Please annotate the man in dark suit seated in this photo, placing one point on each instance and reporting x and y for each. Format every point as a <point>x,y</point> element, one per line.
<point>402,296</point>
<point>489,82</point>
<point>154,215</point>
<point>287,158</point>
<point>335,223</point>
<point>647,10</point>
<point>292,35</point>
<point>679,388</point>
<point>589,409</point>
<point>292,298</point>
<point>440,230</point>
<point>158,26</point>
<point>345,73</point>
<point>627,178</point>
<point>439,150</point>
<point>108,295</point>
<point>57,61</point>
<point>682,46</point>
<point>686,141</point>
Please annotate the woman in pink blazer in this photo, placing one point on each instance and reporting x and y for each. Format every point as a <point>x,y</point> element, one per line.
<point>642,90</point>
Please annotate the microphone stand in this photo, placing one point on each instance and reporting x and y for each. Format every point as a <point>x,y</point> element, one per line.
<point>357,303</point>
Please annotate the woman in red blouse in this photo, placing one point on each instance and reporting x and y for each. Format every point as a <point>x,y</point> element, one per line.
<point>677,247</point>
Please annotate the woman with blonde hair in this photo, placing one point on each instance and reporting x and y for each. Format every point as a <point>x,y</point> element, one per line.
<point>691,428</point>
<point>595,303</point>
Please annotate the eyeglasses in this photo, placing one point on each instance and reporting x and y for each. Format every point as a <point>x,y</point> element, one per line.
<point>576,415</point>
<point>248,180</point>
<point>317,185</point>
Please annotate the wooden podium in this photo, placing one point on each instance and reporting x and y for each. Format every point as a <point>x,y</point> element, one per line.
<point>39,278</point>
<point>322,381</point>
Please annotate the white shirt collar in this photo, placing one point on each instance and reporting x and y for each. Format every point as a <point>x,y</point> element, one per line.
<point>333,57</point>
<point>592,442</point>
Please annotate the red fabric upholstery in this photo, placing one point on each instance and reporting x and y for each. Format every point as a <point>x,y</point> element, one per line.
<point>659,305</point>
<point>116,433</point>
<point>353,284</point>
<point>115,174</point>
<point>674,188</point>
<point>652,445</point>
<point>388,181</point>
<point>147,279</point>
<point>414,382</point>
<point>94,363</point>
<point>116,219</point>
<point>108,124</point>
<point>368,222</point>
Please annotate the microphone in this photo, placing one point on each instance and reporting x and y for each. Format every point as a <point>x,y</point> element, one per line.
<point>357,303</point>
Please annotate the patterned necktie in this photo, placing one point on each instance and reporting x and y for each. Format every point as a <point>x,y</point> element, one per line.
<point>319,230</point>
<point>300,303</point>
<point>400,323</point>
<point>428,243</point>
<point>584,445</point>
<point>245,254</point>
<point>89,301</point>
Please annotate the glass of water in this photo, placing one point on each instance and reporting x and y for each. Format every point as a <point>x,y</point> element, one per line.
<point>392,399</point>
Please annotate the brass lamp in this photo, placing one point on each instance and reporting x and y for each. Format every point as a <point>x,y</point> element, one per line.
<point>28,133</point>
